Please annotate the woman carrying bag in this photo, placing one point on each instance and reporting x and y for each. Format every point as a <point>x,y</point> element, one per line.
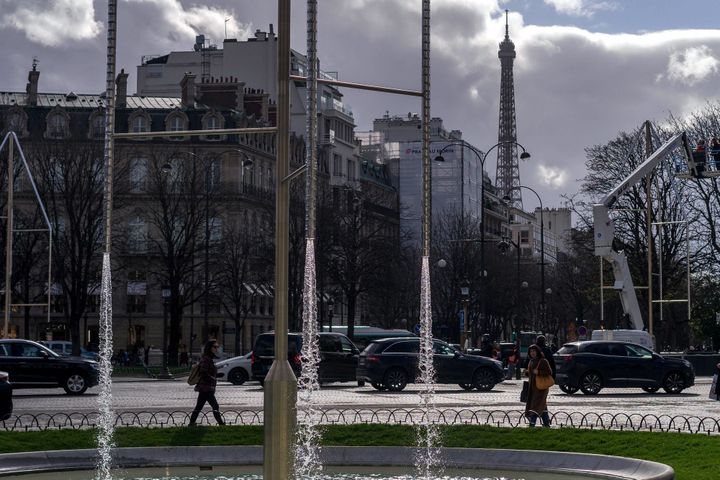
<point>540,380</point>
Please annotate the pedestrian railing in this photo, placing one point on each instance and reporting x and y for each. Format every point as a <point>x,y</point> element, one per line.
<point>399,416</point>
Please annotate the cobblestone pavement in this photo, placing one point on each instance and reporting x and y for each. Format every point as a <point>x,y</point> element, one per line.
<point>176,395</point>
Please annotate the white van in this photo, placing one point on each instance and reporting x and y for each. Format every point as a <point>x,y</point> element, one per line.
<point>639,337</point>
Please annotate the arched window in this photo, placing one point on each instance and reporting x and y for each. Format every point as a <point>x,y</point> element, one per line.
<point>139,122</point>
<point>213,121</point>
<point>176,121</point>
<point>57,124</point>
<point>97,125</point>
<point>138,174</point>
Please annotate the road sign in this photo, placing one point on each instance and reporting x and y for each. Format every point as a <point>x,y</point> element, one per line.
<point>461,319</point>
<point>416,329</point>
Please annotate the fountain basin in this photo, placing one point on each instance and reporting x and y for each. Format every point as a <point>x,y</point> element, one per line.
<point>578,465</point>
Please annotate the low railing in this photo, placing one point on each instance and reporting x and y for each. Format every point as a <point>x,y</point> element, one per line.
<point>399,416</point>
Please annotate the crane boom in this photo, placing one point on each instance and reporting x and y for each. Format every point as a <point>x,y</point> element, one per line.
<point>604,229</point>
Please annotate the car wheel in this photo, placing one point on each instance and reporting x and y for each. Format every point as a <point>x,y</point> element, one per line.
<point>75,384</point>
<point>674,382</point>
<point>591,383</point>
<point>361,383</point>
<point>395,379</point>
<point>651,389</point>
<point>237,376</point>
<point>466,386</point>
<point>569,389</point>
<point>484,379</point>
<point>378,386</point>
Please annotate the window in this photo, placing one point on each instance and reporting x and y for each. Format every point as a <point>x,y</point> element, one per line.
<point>404,347</point>
<point>351,170</point>
<point>347,345</point>
<point>215,227</point>
<point>97,125</point>
<point>638,351</point>
<point>442,349</point>
<point>330,343</point>
<point>16,123</point>
<point>212,121</point>
<point>137,235</point>
<point>214,170</point>
<point>599,348</point>
<point>139,124</point>
<point>177,124</point>
<point>138,174</point>
<point>57,174</point>
<point>337,165</point>
<point>524,236</point>
<point>56,125</point>
<point>136,303</point>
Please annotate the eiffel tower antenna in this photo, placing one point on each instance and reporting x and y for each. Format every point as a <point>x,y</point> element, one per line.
<point>507,175</point>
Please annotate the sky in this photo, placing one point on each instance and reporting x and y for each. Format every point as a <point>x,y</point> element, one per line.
<point>585,69</point>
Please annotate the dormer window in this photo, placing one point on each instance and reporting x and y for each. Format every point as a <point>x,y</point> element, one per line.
<point>177,121</point>
<point>97,125</point>
<point>139,122</point>
<point>16,121</point>
<point>57,124</point>
<point>213,121</point>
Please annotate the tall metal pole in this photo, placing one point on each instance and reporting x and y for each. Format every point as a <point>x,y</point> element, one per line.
<point>280,383</point>
<point>9,236</point>
<point>542,264</point>
<point>311,127</point>
<point>648,190</point>
<point>110,120</point>
<point>206,272</point>
<point>427,173</point>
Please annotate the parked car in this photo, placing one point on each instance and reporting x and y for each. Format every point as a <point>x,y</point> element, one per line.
<point>236,370</point>
<point>593,365</point>
<point>6,404</point>
<point>32,365</point>
<point>392,363</point>
<point>338,356</point>
<point>64,347</point>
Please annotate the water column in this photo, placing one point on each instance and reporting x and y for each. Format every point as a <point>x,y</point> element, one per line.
<point>106,421</point>
<point>307,440</point>
<point>428,434</point>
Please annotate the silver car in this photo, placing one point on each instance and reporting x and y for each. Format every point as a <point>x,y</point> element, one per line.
<point>235,370</point>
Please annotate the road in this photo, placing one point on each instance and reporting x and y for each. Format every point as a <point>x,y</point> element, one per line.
<point>176,395</point>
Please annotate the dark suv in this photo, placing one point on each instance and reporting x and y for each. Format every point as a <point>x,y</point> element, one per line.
<point>590,366</point>
<point>32,365</point>
<point>392,363</point>
<point>338,356</point>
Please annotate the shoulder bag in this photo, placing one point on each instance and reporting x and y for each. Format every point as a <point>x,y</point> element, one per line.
<point>543,382</point>
<point>525,391</point>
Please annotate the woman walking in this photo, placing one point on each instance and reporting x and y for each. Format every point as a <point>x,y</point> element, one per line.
<point>207,383</point>
<point>536,404</point>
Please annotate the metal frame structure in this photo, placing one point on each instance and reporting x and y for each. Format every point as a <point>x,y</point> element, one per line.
<point>11,140</point>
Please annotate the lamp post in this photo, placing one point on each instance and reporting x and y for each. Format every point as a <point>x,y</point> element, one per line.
<point>166,168</point>
<point>481,158</point>
<point>542,250</point>
<point>330,305</point>
<point>465,300</point>
<point>164,372</point>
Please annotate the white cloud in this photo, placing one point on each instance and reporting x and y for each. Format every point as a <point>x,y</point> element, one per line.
<point>52,22</point>
<point>580,8</point>
<point>692,65</point>
<point>176,23</point>
<point>553,177</point>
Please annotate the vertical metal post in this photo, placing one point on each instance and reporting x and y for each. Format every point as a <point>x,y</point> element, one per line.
<point>9,235</point>
<point>206,269</point>
<point>542,265</point>
<point>602,296</point>
<point>648,189</point>
<point>280,383</point>
<point>427,174</point>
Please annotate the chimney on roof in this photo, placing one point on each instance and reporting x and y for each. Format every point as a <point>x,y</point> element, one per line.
<point>121,89</point>
<point>271,34</point>
<point>187,85</point>
<point>32,87</point>
<point>260,35</point>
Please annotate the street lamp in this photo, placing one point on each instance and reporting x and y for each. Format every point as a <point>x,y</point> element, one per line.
<point>166,168</point>
<point>481,158</point>
<point>330,305</point>
<point>542,249</point>
<point>164,372</point>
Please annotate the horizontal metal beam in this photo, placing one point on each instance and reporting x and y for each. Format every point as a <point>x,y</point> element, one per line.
<point>195,133</point>
<point>361,86</point>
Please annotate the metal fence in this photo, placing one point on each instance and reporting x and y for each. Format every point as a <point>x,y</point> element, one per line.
<point>398,416</point>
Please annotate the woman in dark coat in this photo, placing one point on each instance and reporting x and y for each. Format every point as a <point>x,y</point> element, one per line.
<point>207,383</point>
<point>536,404</point>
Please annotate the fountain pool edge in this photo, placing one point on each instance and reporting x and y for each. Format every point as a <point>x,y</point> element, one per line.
<point>601,466</point>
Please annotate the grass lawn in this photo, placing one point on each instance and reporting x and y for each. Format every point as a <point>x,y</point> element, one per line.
<point>694,457</point>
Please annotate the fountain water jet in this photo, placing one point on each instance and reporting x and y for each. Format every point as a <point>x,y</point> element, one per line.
<point>106,421</point>
<point>307,441</point>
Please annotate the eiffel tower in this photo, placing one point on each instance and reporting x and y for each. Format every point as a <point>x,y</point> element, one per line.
<point>507,174</point>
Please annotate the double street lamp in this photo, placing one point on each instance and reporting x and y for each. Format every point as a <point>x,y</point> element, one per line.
<point>542,250</point>
<point>481,158</point>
